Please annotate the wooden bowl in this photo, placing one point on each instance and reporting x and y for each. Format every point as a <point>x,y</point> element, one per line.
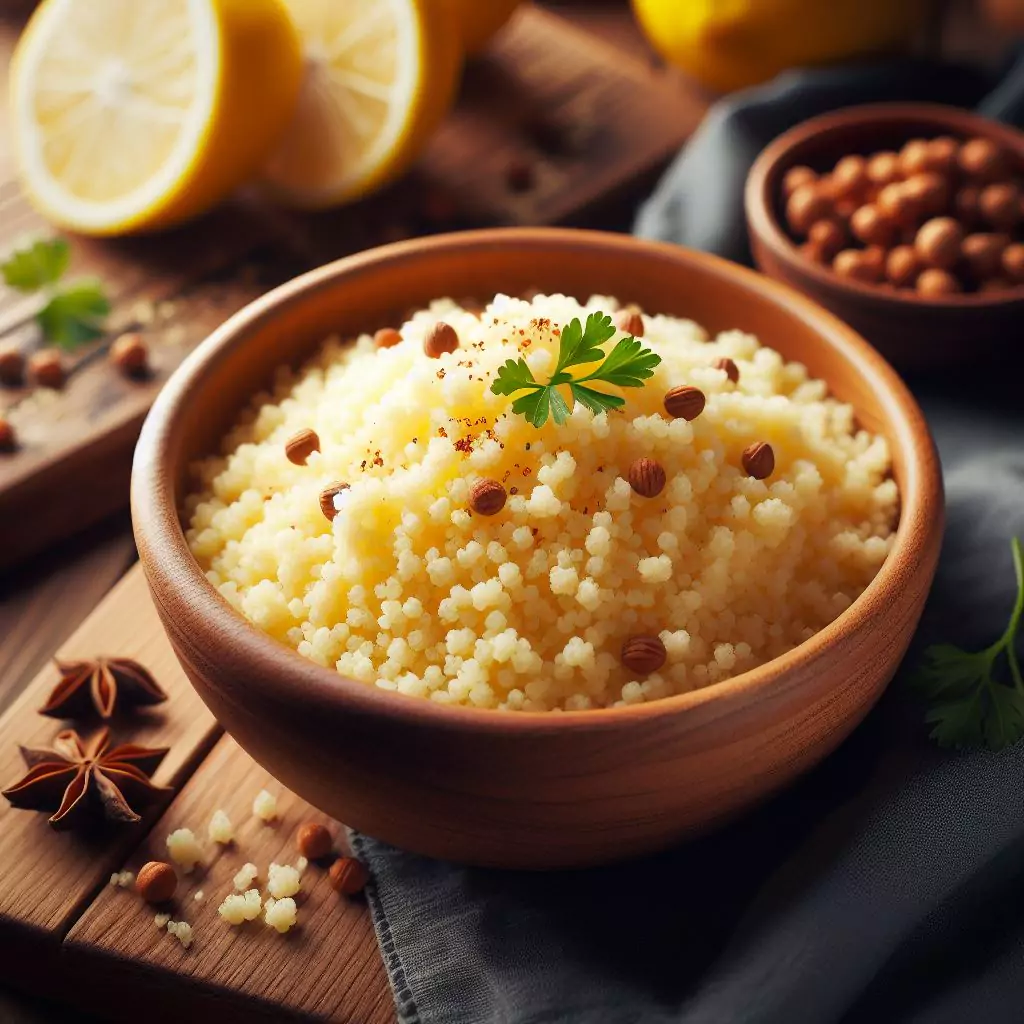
<point>914,332</point>
<point>519,789</point>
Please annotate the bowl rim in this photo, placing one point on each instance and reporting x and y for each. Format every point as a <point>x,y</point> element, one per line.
<point>296,679</point>
<point>758,196</point>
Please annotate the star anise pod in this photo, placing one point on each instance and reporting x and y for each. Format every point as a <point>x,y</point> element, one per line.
<point>100,684</point>
<point>75,780</point>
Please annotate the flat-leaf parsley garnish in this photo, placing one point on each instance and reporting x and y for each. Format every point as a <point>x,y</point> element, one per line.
<point>970,706</point>
<point>628,365</point>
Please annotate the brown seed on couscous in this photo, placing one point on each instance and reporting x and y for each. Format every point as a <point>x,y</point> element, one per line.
<point>407,590</point>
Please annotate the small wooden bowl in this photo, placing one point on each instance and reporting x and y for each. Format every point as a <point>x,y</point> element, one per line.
<point>915,333</point>
<point>518,789</point>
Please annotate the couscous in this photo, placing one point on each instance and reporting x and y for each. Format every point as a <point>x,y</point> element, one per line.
<point>384,512</point>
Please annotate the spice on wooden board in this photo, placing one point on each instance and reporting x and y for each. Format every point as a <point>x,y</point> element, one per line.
<point>101,685</point>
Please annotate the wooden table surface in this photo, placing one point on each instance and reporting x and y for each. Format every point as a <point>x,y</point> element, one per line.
<point>42,602</point>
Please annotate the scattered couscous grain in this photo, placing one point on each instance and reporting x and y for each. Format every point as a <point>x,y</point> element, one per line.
<point>238,908</point>
<point>182,931</point>
<point>283,880</point>
<point>281,914</point>
<point>247,874</point>
<point>184,849</point>
<point>265,806</point>
<point>220,829</point>
<point>408,589</point>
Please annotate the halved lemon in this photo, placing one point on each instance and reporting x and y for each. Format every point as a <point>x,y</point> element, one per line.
<point>136,114</point>
<point>480,20</point>
<point>380,75</point>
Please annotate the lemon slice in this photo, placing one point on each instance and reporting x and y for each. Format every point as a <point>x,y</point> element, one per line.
<point>380,75</point>
<point>132,114</point>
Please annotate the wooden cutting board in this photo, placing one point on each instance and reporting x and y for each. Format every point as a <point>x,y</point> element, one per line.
<point>68,934</point>
<point>581,122</point>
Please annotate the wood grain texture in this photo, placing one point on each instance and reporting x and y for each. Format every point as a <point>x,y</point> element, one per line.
<point>48,875</point>
<point>531,790</point>
<point>914,332</point>
<point>591,122</point>
<point>42,603</point>
<point>328,967</point>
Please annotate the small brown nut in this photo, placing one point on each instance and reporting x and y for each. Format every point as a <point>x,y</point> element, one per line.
<point>12,366</point>
<point>47,368</point>
<point>156,882</point>
<point>896,204</point>
<point>327,496</point>
<point>487,497</point>
<point>759,460</point>
<point>928,193</point>
<point>938,242</point>
<point>982,254</point>
<point>647,477</point>
<point>439,339</point>
<point>643,655</point>
<point>795,177</point>
<point>684,402</point>
<point>851,263</point>
<point>314,841</point>
<point>999,204</point>
<point>883,168</point>
<point>996,284</point>
<point>130,354</point>
<point>300,446</point>
<point>942,154</point>
<point>732,371</point>
<point>1013,262</point>
<point>872,227</point>
<point>850,175</point>
<point>629,321</point>
<point>934,282</point>
<point>982,159</point>
<point>845,209</point>
<point>805,206</point>
<point>8,438</point>
<point>814,251</point>
<point>902,266</point>
<point>348,876</point>
<point>965,205</point>
<point>387,337</point>
<point>873,257</point>
<point>829,235</point>
<point>914,158</point>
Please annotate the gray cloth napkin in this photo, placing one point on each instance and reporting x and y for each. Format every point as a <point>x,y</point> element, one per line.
<point>887,885</point>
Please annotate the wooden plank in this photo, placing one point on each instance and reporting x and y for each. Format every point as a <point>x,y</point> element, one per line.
<point>50,876</point>
<point>328,967</point>
<point>42,604</point>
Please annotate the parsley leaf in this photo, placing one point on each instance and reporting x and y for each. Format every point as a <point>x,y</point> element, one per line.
<point>627,366</point>
<point>40,264</point>
<point>75,314</point>
<point>971,707</point>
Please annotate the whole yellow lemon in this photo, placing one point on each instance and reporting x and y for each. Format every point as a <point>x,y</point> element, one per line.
<point>730,44</point>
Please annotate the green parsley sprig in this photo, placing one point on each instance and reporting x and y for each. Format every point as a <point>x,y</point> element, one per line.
<point>70,315</point>
<point>971,707</point>
<point>628,365</point>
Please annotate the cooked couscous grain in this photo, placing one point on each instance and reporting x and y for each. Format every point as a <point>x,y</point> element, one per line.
<point>405,588</point>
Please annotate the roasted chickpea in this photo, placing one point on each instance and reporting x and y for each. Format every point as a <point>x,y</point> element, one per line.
<point>965,205</point>
<point>938,242</point>
<point>942,155</point>
<point>873,257</point>
<point>872,227</point>
<point>932,281</point>
<point>914,158</point>
<point>896,204</point>
<point>902,266</point>
<point>852,264</point>
<point>883,168</point>
<point>795,177</point>
<point>999,205</point>
<point>1013,262</point>
<point>982,159</point>
<point>850,176</point>
<point>829,235</point>
<point>805,206</point>
<point>982,255</point>
<point>845,208</point>
<point>929,192</point>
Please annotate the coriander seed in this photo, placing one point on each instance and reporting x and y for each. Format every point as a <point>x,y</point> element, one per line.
<point>387,337</point>
<point>156,882</point>
<point>130,355</point>
<point>314,841</point>
<point>348,876</point>
<point>300,446</point>
<point>685,402</point>
<point>643,655</point>
<point>8,438</point>
<point>759,460</point>
<point>12,366</point>
<point>328,496</point>
<point>47,368</point>
<point>731,370</point>
<point>439,339</point>
<point>629,321</point>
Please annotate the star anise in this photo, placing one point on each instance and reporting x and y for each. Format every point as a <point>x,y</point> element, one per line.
<point>100,684</point>
<point>76,779</point>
